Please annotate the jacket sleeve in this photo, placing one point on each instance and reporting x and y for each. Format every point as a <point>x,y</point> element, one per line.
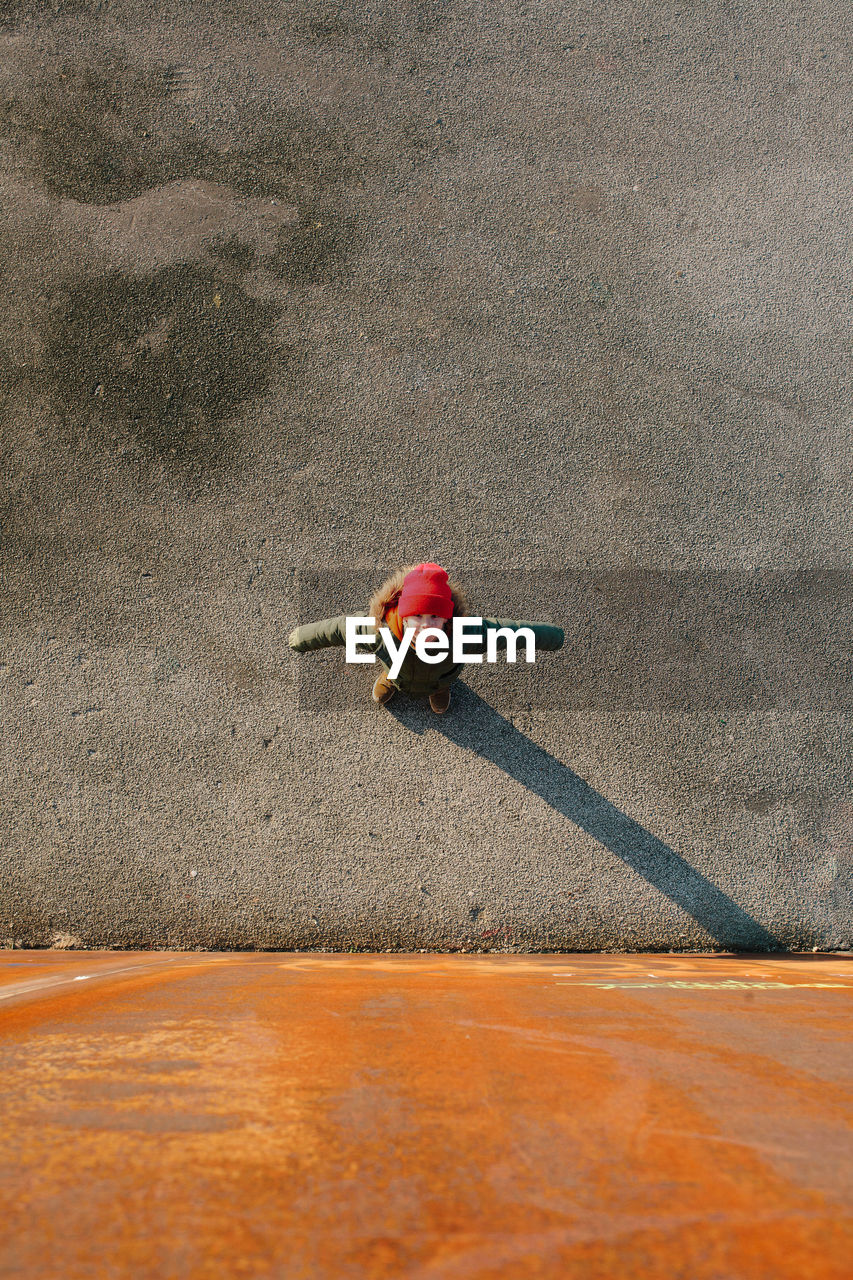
<point>319,635</point>
<point>547,637</point>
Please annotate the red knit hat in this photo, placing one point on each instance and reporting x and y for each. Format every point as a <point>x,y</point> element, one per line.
<point>426,590</point>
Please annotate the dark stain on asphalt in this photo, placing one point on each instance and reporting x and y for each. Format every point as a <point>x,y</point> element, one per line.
<point>317,249</point>
<point>153,363</point>
<point>90,133</point>
<point>156,358</point>
<point>169,360</point>
<point>234,251</point>
<point>102,132</point>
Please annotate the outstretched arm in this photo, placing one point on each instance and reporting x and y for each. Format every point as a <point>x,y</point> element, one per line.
<point>319,635</point>
<point>547,637</point>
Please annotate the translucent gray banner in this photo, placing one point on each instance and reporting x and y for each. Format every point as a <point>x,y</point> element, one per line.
<point>635,639</point>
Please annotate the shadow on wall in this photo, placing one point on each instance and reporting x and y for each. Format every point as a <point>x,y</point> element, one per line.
<point>478,728</point>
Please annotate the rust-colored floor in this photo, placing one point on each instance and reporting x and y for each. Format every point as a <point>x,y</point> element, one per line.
<point>338,1117</point>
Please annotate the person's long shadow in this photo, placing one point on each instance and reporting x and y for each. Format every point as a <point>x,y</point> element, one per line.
<point>471,723</point>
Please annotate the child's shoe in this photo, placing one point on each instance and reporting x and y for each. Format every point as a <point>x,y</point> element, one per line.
<point>440,701</point>
<point>383,691</point>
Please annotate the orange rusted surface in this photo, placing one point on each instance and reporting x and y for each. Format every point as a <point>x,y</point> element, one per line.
<point>304,1116</point>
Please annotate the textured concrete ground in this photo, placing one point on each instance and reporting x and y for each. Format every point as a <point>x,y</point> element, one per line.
<point>556,294</point>
<point>425,1117</point>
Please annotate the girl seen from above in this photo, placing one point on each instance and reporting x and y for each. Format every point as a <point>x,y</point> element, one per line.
<point>419,597</point>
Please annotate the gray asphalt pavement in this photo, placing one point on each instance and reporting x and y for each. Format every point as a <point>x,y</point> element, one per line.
<point>555,294</point>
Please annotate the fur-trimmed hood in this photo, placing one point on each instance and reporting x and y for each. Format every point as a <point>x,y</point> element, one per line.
<point>386,596</point>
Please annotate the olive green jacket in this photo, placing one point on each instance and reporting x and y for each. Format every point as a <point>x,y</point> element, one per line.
<point>416,678</point>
